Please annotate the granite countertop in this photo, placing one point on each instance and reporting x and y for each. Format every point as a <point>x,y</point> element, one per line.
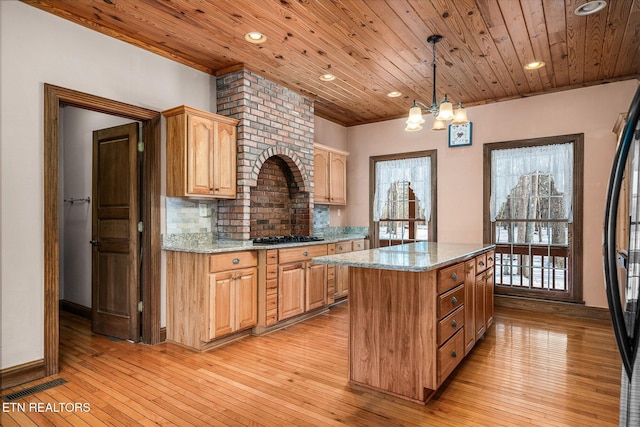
<point>420,256</point>
<point>219,246</point>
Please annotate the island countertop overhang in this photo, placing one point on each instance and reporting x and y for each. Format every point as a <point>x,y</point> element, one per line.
<point>417,257</point>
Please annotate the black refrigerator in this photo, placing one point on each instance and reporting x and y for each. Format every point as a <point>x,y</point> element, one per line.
<point>622,259</point>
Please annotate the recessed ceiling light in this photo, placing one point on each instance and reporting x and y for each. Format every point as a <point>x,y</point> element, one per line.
<point>255,37</point>
<point>534,65</point>
<point>590,7</point>
<point>327,77</point>
<point>394,94</point>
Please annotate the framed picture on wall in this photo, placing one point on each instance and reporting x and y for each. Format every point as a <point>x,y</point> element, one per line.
<point>459,135</point>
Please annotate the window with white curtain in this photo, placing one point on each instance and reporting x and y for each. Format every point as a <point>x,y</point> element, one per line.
<point>403,198</point>
<point>531,210</point>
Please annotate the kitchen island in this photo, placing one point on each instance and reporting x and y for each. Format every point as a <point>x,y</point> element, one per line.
<point>415,311</point>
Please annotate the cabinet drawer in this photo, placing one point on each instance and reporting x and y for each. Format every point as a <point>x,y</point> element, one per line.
<point>272,286</point>
<point>358,245</point>
<point>272,302</point>
<point>272,256</point>
<point>272,271</point>
<point>449,301</point>
<point>301,253</point>
<point>450,325</point>
<point>450,277</point>
<point>491,255</point>
<point>449,355</point>
<point>343,247</point>
<point>232,261</point>
<point>481,263</point>
<point>331,272</point>
<point>272,317</point>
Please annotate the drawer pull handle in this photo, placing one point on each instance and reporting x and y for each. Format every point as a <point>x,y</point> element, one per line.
<point>454,276</point>
<point>454,354</point>
<point>236,260</point>
<point>454,300</point>
<point>339,248</point>
<point>454,323</point>
<point>481,263</point>
<point>305,253</point>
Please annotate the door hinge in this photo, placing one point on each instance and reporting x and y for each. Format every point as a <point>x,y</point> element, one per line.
<point>140,306</point>
<point>140,146</point>
<point>140,227</point>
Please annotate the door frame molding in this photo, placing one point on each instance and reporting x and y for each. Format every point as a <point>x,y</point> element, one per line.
<point>56,97</point>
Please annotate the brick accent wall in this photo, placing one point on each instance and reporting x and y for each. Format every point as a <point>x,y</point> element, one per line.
<point>277,206</point>
<point>274,121</point>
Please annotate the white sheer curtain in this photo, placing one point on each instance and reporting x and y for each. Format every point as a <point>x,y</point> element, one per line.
<point>507,166</point>
<point>416,171</point>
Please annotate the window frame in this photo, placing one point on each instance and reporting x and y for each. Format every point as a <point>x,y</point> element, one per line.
<point>575,293</point>
<point>432,223</point>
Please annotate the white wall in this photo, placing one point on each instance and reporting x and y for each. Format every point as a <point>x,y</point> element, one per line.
<point>592,111</point>
<point>38,48</point>
<point>76,182</point>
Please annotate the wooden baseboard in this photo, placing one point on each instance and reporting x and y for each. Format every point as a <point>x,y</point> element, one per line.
<point>74,308</point>
<point>545,306</point>
<point>163,334</point>
<point>21,374</point>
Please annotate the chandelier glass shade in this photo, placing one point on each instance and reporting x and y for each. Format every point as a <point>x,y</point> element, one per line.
<point>442,112</point>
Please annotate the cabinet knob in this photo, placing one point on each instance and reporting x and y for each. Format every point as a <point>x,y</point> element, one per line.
<point>481,263</point>
<point>454,300</point>
<point>454,323</point>
<point>236,260</point>
<point>454,354</point>
<point>490,258</point>
<point>93,242</point>
<point>305,253</point>
<point>454,276</point>
<point>340,248</point>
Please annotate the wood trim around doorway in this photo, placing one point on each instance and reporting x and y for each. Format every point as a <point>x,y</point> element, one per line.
<point>54,98</point>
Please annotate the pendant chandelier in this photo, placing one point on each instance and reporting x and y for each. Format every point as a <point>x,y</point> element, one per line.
<point>442,112</point>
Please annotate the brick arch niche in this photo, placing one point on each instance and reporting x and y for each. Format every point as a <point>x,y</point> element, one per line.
<point>279,203</point>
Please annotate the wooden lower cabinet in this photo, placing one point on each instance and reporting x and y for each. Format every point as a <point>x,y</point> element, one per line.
<point>342,272</point>
<point>233,301</point>
<point>435,316</point>
<point>316,286</point>
<point>210,296</point>
<point>291,286</point>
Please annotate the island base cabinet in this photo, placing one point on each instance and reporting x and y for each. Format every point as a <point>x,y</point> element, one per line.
<point>409,330</point>
<point>393,355</point>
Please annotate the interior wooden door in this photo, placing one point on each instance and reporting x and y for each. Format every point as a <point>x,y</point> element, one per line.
<point>115,258</point>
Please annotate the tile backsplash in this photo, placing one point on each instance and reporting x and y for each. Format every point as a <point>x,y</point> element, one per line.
<point>320,219</point>
<point>191,216</point>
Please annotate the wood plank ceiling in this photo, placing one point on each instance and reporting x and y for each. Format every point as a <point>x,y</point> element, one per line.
<point>374,47</point>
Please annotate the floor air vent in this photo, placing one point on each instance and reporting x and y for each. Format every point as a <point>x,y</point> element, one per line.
<point>32,390</point>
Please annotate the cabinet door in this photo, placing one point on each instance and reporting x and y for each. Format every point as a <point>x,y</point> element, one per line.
<point>342,281</point>
<point>316,286</point>
<point>221,305</point>
<point>246,285</point>
<point>224,161</point>
<point>338,179</point>
<point>469,305</point>
<point>200,137</point>
<point>481,283</point>
<point>321,176</point>
<point>488,298</point>
<point>291,284</point>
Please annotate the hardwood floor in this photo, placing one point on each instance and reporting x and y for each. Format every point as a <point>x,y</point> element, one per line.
<point>530,369</point>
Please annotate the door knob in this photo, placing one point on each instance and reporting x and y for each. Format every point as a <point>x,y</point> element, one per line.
<point>93,242</point>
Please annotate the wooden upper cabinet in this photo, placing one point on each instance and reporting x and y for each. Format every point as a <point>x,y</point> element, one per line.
<point>201,154</point>
<point>330,176</point>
